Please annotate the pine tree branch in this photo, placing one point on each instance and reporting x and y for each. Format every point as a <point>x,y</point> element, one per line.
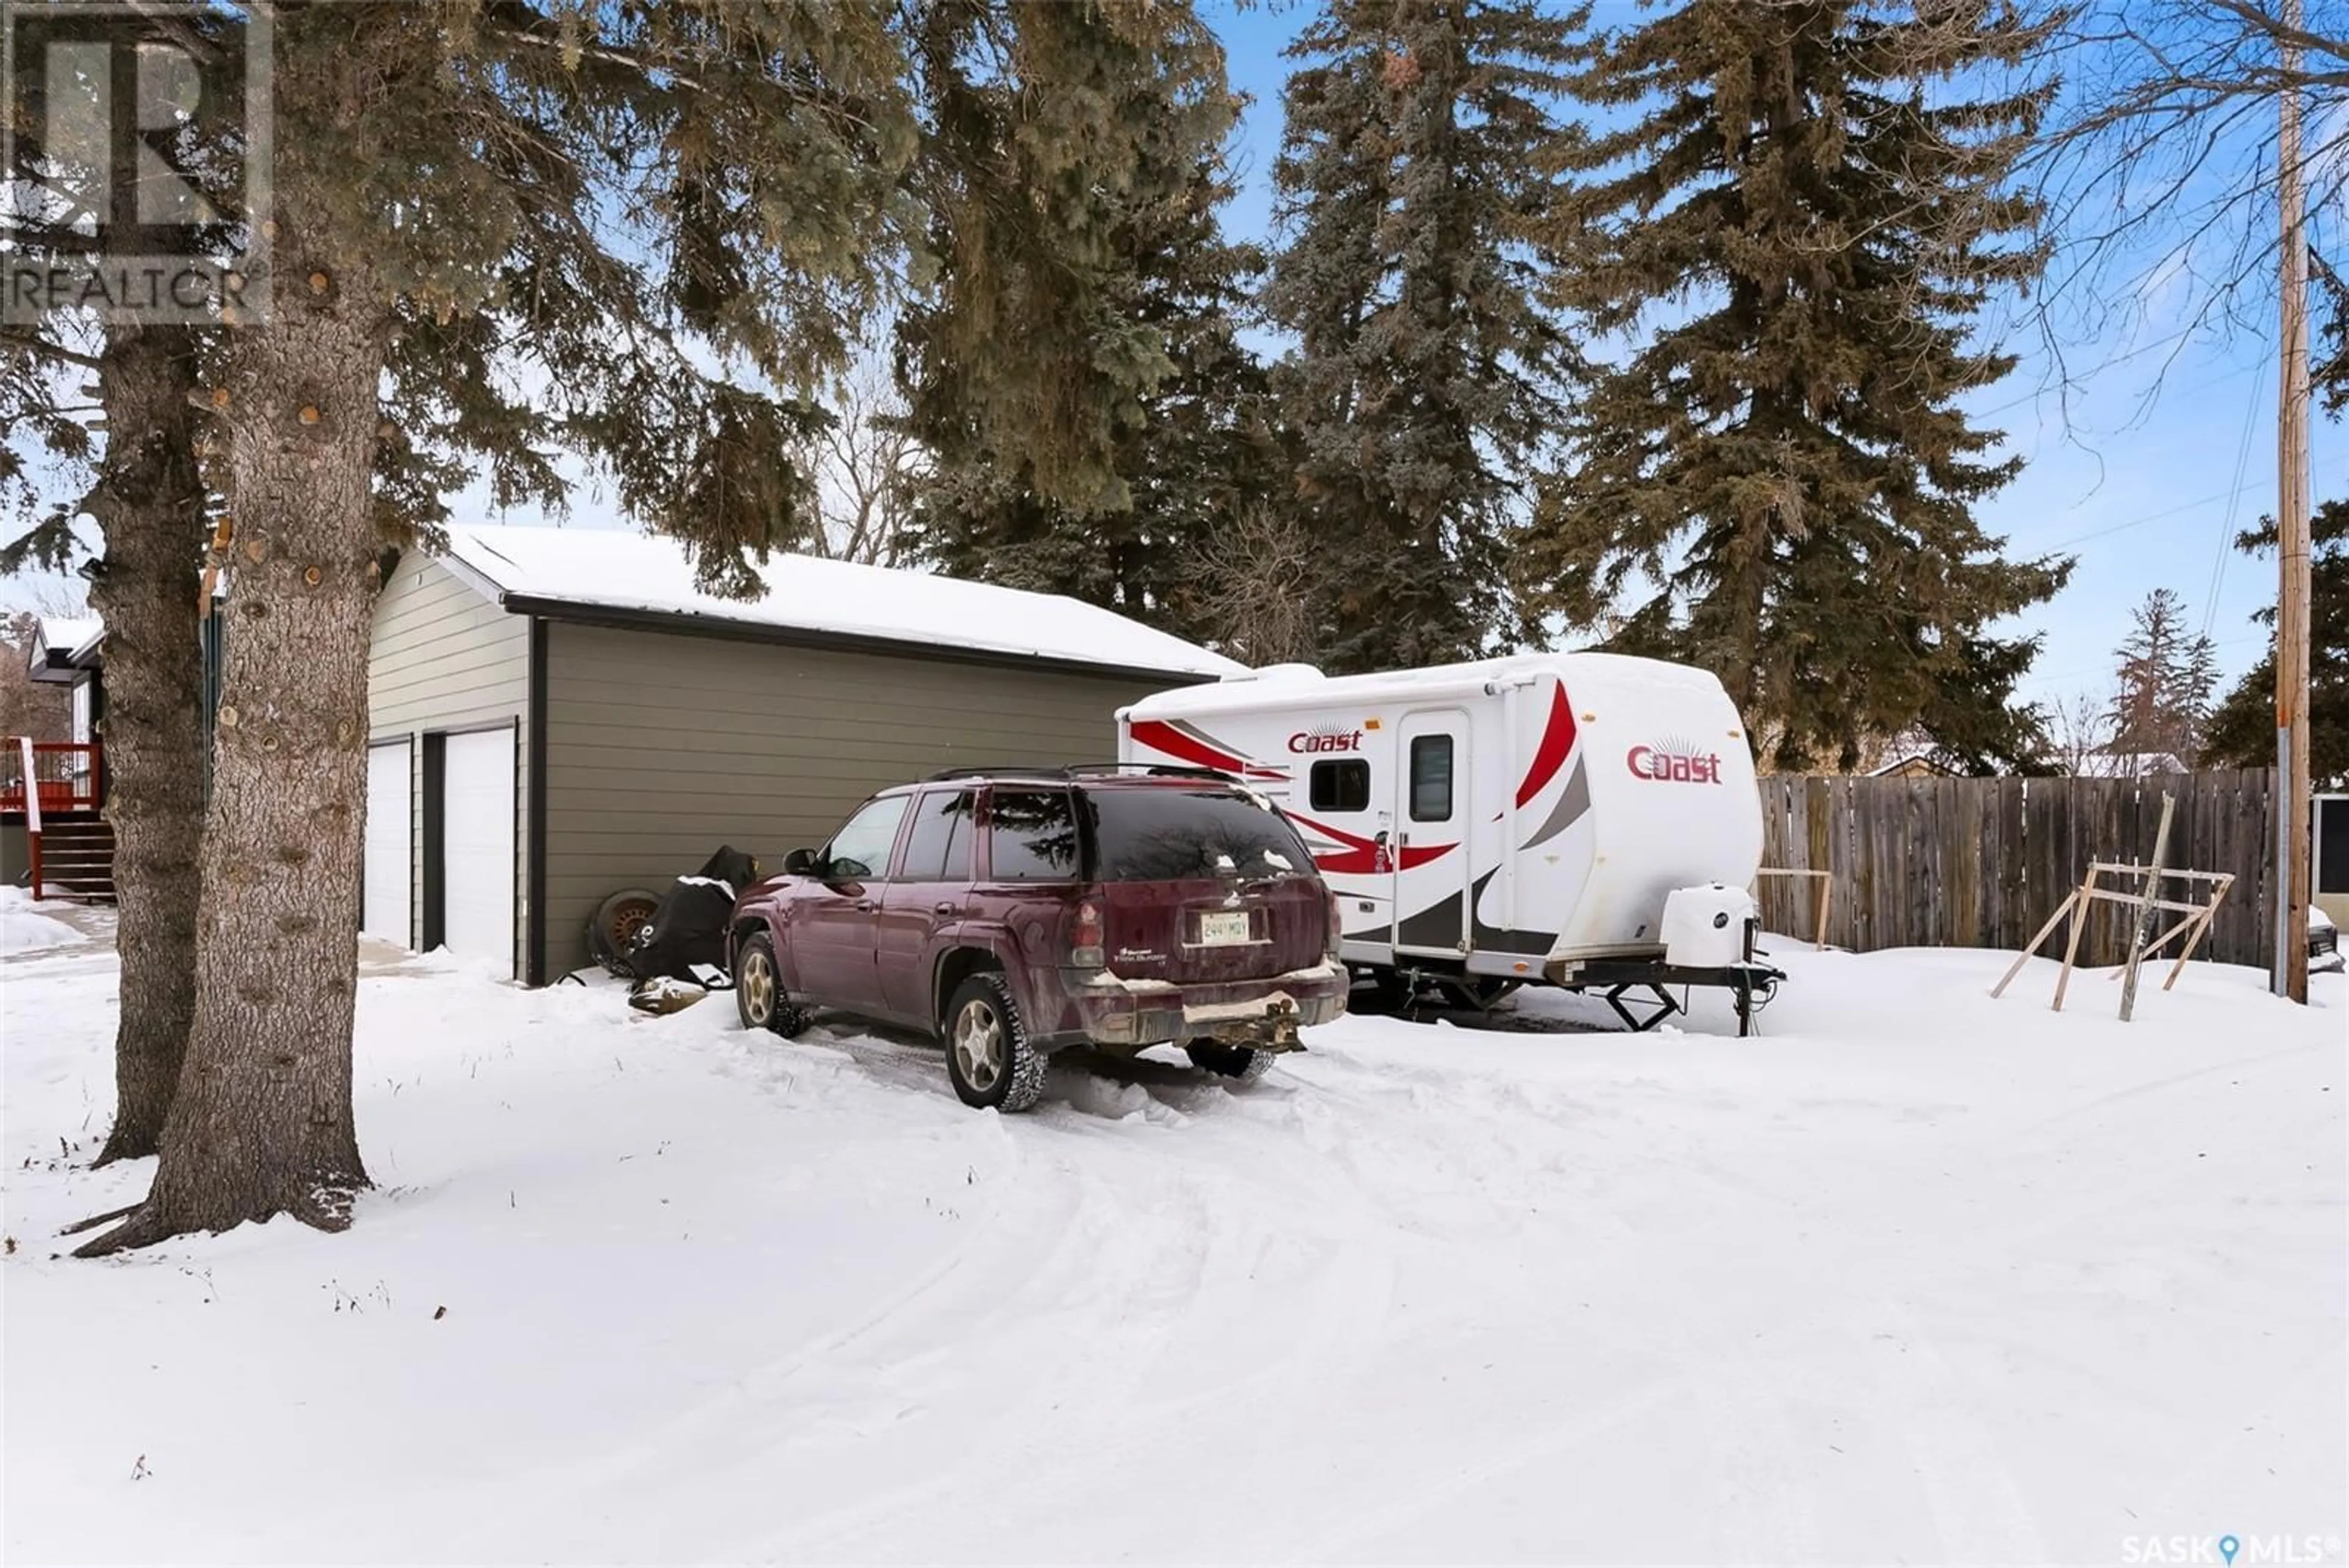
<point>25,341</point>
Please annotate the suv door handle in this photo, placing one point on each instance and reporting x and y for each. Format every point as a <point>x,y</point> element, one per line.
<point>944,907</point>
<point>867,906</point>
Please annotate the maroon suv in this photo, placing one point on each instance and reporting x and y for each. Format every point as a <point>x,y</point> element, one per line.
<point>1013,914</point>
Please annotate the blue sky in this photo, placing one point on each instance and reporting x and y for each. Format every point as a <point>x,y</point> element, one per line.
<point>2162,453</point>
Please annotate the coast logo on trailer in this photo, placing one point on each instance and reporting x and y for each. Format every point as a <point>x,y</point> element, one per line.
<point>1326,738</point>
<point>1674,761</point>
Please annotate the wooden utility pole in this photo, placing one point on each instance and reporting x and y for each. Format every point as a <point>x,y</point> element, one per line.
<point>2293,822</point>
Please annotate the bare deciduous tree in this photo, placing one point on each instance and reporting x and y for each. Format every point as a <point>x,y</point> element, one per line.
<point>2160,177</point>
<point>2082,733</point>
<point>1259,586</point>
<point>28,707</point>
<point>865,465</point>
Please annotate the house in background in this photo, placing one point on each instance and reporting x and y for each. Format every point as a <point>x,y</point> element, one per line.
<point>58,783</point>
<point>65,652</point>
<point>555,715</point>
<point>1912,765</point>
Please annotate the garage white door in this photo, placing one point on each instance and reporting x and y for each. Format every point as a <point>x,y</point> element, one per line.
<point>477,839</point>
<point>385,869</point>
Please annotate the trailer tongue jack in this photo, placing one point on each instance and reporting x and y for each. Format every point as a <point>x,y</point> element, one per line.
<point>1751,984</point>
<point>1751,987</point>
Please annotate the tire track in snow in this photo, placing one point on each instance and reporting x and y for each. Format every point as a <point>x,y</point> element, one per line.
<point>1416,1503</point>
<point>762,1384</point>
<point>1977,1507</point>
<point>1079,1336</point>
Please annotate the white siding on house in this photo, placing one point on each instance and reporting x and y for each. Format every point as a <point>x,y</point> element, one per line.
<point>444,656</point>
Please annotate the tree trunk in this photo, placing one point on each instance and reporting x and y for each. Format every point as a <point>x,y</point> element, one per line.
<point>261,1124</point>
<point>149,499</point>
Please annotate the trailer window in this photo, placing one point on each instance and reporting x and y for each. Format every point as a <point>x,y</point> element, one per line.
<point>1343,785</point>
<point>1031,835</point>
<point>1431,778</point>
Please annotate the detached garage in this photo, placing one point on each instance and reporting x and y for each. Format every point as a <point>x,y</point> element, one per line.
<point>558,713</point>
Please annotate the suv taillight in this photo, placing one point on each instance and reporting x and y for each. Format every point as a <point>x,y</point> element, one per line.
<point>1085,938</point>
<point>1337,923</point>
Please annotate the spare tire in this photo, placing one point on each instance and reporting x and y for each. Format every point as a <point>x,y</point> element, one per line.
<point>613,928</point>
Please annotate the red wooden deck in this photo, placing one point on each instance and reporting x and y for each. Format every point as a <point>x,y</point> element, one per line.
<point>66,777</point>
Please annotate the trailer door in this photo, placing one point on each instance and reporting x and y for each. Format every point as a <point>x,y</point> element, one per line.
<point>1431,849</point>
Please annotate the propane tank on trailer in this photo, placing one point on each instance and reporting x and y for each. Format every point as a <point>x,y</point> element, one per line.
<point>1707,927</point>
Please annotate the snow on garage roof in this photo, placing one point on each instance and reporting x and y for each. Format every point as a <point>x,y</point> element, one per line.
<point>596,568</point>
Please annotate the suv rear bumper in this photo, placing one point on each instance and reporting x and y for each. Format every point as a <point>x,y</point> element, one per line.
<point>1267,1013</point>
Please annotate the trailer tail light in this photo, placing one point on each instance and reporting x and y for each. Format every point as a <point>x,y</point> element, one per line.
<point>1337,923</point>
<point>1085,938</point>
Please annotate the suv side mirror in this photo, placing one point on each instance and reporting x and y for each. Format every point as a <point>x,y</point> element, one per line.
<point>800,863</point>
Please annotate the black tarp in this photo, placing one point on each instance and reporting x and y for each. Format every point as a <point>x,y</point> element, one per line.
<point>688,925</point>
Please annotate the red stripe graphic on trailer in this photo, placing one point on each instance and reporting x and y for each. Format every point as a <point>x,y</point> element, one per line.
<point>1359,857</point>
<point>1196,750</point>
<point>1557,742</point>
<point>1272,771</point>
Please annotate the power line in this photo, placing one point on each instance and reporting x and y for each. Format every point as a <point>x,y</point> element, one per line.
<point>2149,517</point>
<point>2227,526</point>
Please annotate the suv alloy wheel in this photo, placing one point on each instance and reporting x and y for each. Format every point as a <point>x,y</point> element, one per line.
<point>987,1054</point>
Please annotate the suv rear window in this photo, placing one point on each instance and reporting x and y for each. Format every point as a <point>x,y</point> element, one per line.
<point>1031,835</point>
<point>1161,834</point>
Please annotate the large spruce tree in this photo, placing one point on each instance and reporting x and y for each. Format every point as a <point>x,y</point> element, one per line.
<point>1417,138</point>
<point>2165,676</point>
<point>1785,247</point>
<point>2242,732</point>
<point>1153,408</point>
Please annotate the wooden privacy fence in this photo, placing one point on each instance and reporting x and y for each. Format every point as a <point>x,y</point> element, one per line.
<point>1982,863</point>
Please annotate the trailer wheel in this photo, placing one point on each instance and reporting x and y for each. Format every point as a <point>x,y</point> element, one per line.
<point>1244,1062</point>
<point>1482,993</point>
<point>1381,990</point>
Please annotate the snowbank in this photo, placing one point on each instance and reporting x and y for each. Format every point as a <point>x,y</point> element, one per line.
<point>1917,1276</point>
<point>24,929</point>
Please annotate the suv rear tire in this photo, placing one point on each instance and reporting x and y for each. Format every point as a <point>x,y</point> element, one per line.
<point>987,1054</point>
<point>1245,1063</point>
<point>759,996</point>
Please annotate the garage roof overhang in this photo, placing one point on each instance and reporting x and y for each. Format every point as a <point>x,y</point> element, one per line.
<point>680,623</point>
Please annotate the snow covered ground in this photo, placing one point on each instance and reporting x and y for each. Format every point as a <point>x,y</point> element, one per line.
<point>1919,1276</point>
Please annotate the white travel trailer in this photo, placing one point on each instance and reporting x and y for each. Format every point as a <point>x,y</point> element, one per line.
<point>1517,819</point>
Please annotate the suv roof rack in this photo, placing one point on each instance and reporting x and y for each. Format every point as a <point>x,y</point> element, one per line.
<point>1082,769</point>
<point>1154,770</point>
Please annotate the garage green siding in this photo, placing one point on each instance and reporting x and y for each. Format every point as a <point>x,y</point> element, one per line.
<point>444,656</point>
<point>660,747</point>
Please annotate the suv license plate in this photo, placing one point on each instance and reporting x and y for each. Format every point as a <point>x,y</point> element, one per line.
<point>1223,928</point>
